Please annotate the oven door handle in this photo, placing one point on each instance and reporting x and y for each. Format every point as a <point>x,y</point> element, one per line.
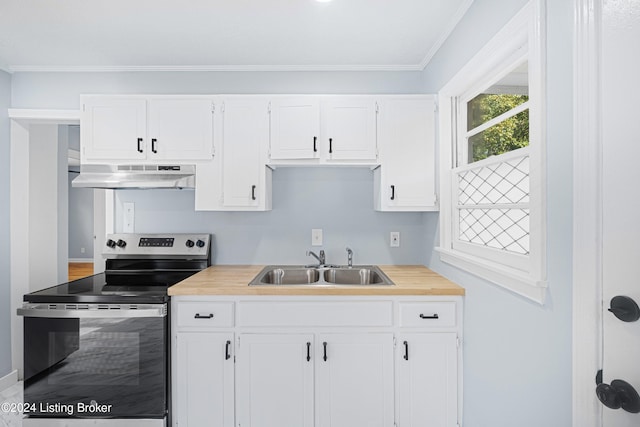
<point>157,310</point>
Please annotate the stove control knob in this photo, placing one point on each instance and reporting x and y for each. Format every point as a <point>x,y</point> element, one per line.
<point>200,243</point>
<point>189,243</point>
<point>121,243</point>
<point>111,243</point>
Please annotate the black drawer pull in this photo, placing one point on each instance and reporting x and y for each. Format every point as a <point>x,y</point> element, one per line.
<point>253,192</point>
<point>139,145</point>
<point>200,316</point>
<point>330,145</point>
<point>324,344</point>
<point>308,351</point>
<point>393,192</point>
<point>423,316</point>
<point>153,145</point>
<point>315,146</point>
<point>227,356</point>
<point>406,350</point>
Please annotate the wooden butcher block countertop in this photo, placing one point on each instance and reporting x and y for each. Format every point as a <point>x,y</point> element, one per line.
<point>234,280</point>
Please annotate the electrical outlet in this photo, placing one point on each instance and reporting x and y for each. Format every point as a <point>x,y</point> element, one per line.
<point>394,239</point>
<point>129,217</point>
<point>316,237</point>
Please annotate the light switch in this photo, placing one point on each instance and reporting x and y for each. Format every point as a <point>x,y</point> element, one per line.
<point>316,237</point>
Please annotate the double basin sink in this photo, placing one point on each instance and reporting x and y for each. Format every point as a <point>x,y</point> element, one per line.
<point>367,275</point>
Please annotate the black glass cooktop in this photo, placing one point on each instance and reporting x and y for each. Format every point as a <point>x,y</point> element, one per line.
<point>112,288</point>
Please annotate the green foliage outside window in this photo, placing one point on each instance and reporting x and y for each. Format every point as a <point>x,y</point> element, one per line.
<point>508,135</point>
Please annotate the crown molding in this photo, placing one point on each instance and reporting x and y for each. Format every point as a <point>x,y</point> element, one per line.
<point>457,17</point>
<point>202,68</point>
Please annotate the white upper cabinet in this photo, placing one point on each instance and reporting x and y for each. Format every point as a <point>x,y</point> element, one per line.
<point>405,180</point>
<point>295,128</point>
<point>245,136</point>
<point>113,128</point>
<point>323,130</point>
<point>349,128</point>
<point>146,129</point>
<point>181,129</point>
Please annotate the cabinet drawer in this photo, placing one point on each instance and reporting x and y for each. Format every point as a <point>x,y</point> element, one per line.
<point>207,314</point>
<point>427,314</point>
<point>379,313</point>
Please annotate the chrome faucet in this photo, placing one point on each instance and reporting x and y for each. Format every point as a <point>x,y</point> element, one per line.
<point>349,257</point>
<point>321,258</point>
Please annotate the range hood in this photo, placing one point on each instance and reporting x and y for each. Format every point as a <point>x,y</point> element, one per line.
<point>136,176</point>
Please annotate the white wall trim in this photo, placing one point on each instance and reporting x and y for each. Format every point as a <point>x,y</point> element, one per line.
<point>587,214</point>
<point>207,68</point>
<point>8,380</point>
<point>524,33</point>
<point>455,20</point>
<point>39,116</point>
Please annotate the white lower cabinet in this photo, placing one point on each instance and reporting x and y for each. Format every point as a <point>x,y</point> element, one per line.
<point>298,367</point>
<point>204,380</point>
<point>355,380</point>
<point>275,380</point>
<point>427,372</point>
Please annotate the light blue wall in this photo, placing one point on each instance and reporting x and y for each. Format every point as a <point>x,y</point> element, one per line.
<point>517,354</point>
<point>337,200</point>
<point>5,289</point>
<point>62,90</point>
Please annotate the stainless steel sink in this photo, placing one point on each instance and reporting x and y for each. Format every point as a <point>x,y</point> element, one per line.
<point>296,275</point>
<point>289,276</point>
<point>355,276</point>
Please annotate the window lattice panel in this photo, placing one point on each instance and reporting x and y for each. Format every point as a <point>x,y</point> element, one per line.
<point>493,206</point>
<point>499,183</point>
<point>504,229</point>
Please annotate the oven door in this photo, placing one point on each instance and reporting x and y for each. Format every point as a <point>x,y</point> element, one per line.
<point>95,360</point>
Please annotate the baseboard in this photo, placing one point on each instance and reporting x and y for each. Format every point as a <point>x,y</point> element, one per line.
<point>8,380</point>
<point>82,260</point>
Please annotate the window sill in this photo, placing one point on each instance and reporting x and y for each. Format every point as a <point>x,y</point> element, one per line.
<point>511,279</point>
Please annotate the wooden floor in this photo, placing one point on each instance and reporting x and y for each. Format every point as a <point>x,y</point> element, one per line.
<point>78,270</point>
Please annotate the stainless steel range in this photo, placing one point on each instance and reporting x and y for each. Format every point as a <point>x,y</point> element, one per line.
<point>96,350</point>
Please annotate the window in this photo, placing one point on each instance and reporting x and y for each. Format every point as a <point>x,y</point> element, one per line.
<point>492,210</point>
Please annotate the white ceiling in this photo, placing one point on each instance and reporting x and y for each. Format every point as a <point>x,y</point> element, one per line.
<point>45,35</point>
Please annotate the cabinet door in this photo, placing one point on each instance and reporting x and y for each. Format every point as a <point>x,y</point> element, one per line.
<point>295,128</point>
<point>180,129</point>
<point>245,135</point>
<point>407,153</point>
<point>205,382</point>
<point>355,380</point>
<point>349,129</point>
<point>275,380</point>
<point>113,128</point>
<point>427,380</point>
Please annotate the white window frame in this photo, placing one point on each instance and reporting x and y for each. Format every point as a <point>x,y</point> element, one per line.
<point>522,37</point>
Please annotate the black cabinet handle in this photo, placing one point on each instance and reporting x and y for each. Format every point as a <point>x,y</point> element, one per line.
<point>423,316</point>
<point>330,145</point>
<point>227,356</point>
<point>324,344</point>
<point>315,146</point>
<point>253,192</point>
<point>308,351</point>
<point>153,145</point>
<point>200,316</point>
<point>393,192</point>
<point>139,145</point>
<point>406,350</point>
